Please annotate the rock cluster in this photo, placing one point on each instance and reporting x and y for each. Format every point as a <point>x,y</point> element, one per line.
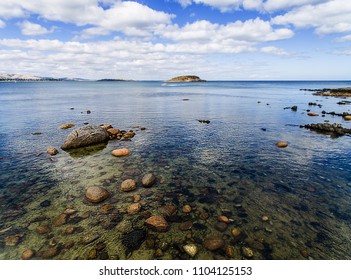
<point>334,129</point>
<point>186,79</point>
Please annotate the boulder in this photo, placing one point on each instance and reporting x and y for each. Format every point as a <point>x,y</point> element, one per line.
<point>128,185</point>
<point>96,194</point>
<point>157,223</point>
<point>67,125</point>
<point>148,180</point>
<point>120,152</point>
<point>85,136</point>
<point>52,151</point>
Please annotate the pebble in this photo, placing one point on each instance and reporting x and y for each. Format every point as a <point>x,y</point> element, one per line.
<point>213,243</point>
<point>60,220</point>
<point>281,144</point>
<point>136,198</point>
<point>229,251</point>
<point>157,223</point>
<point>247,252</point>
<point>67,125</point>
<point>42,229</point>
<point>221,226</point>
<point>148,180</point>
<point>191,249</point>
<point>312,114</point>
<point>185,225</point>
<point>304,253</point>
<point>128,185</point>
<point>50,253</point>
<point>27,254</point>
<point>12,240</point>
<point>235,232</point>
<point>96,194</point>
<point>120,152</point>
<point>223,219</point>
<point>90,238</point>
<point>69,211</point>
<point>158,253</point>
<point>134,208</point>
<point>187,208</point>
<point>68,244</point>
<point>69,230</point>
<point>106,208</point>
<point>265,218</point>
<point>347,118</point>
<point>52,151</point>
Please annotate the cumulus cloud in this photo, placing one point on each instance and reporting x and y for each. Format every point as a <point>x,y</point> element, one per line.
<point>2,24</point>
<point>326,18</point>
<point>344,38</point>
<point>31,29</point>
<point>274,50</point>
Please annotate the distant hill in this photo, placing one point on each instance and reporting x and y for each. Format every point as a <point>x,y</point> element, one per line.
<point>185,79</point>
<point>29,78</point>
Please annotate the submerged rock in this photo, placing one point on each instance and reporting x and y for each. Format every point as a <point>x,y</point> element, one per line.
<point>67,125</point>
<point>27,254</point>
<point>213,243</point>
<point>128,185</point>
<point>191,249</point>
<point>157,223</point>
<point>333,129</point>
<point>281,144</point>
<point>132,241</point>
<point>85,136</point>
<point>120,152</point>
<point>148,180</point>
<point>52,151</point>
<point>96,194</point>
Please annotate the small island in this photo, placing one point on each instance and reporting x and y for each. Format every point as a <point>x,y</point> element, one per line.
<point>185,79</point>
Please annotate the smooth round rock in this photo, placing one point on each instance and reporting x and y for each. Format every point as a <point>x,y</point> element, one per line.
<point>96,194</point>
<point>27,254</point>
<point>221,226</point>
<point>42,229</point>
<point>247,252</point>
<point>312,114</point>
<point>148,180</point>
<point>120,152</point>
<point>281,144</point>
<point>223,219</point>
<point>235,232</point>
<point>128,185</point>
<point>134,208</point>
<point>187,208</point>
<point>213,243</point>
<point>265,218</point>
<point>67,125</point>
<point>136,198</point>
<point>347,118</point>
<point>190,249</point>
<point>157,223</point>
<point>52,151</point>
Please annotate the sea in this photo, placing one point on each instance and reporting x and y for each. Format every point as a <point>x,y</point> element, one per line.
<point>245,198</point>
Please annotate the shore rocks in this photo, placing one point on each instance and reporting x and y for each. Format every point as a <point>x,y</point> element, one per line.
<point>66,125</point>
<point>157,223</point>
<point>148,180</point>
<point>85,136</point>
<point>336,92</point>
<point>128,185</point>
<point>333,129</point>
<point>52,151</point>
<point>96,194</point>
<point>120,152</point>
<point>281,144</point>
<point>213,243</point>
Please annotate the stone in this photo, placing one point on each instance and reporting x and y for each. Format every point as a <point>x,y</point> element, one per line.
<point>67,125</point>
<point>223,219</point>
<point>69,211</point>
<point>136,198</point>
<point>148,180</point>
<point>42,229</point>
<point>12,240</point>
<point>106,208</point>
<point>168,210</point>
<point>69,230</point>
<point>87,239</point>
<point>229,251</point>
<point>265,218</point>
<point>52,151</point>
<point>347,118</point>
<point>106,126</point>
<point>213,243</point>
<point>60,220</point>
<point>235,232</point>
<point>221,226</point>
<point>312,114</point>
<point>191,249</point>
<point>157,223</point>
<point>51,252</point>
<point>120,152</point>
<point>85,136</point>
<point>185,225</point>
<point>128,185</point>
<point>27,254</point>
<point>96,194</point>
<point>45,203</point>
<point>134,208</point>
<point>247,252</point>
<point>113,131</point>
<point>281,144</point>
<point>294,108</point>
<point>187,208</point>
<point>132,241</point>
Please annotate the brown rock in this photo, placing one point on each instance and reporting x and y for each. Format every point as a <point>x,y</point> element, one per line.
<point>247,252</point>
<point>148,180</point>
<point>134,208</point>
<point>235,232</point>
<point>42,229</point>
<point>229,251</point>
<point>347,118</point>
<point>12,240</point>
<point>27,254</point>
<point>186,225</point>
<point>312,114</point>
<point>106,208</point>
<point>213,243</point>
<point>204,215</point>
<point>281,144</point>
<point>223,219</point>
<point>136,198</point>
<point>168,210</point>
<point>157,223</point>
<point>128,185</point>
<point>187,208</point>
<point>69,244</point>
<point>106,126</point>
<point>50,253</point>
<point>70,211</point>
<point>220,226</point>
<point>60,220</point>
<point>52,151</point>
<point>67,125</point>
<point>96,194</point>
<point>113,131</point>
<point>69,230</point>
<point>120,152</point>
<point>191,249</point>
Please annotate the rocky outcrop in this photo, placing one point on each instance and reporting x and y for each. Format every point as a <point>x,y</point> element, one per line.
<point>336,92</point>
<point>185,79</point>
<point>333,129</point>
<point>85,136</point>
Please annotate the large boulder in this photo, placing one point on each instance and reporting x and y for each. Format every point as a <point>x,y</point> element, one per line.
<point>85,136</point>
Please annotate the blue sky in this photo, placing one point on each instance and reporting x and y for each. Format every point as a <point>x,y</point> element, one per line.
<point>159,39</point>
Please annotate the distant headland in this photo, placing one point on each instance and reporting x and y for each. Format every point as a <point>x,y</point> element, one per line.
<point>185,79</point>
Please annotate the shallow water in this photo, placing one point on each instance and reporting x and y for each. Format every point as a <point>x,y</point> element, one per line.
<point>228,167</point>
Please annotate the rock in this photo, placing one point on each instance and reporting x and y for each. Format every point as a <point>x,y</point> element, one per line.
<point>92,254</point>
<point>148,180</point>
<point>294,108</point>
<point>42,229</point>
<point>106,126</point>
<point>124,226</point>
<point>221,226</point>
<point>27,254</point>
<point>331,129</point>
<point>132,241</point>
<point>223,219</point>
<point>85,136</point>
<point>265,218</point>
<point>113,131</point>
<point>347,118</point>
<point>191,249</point>
<point>281,144</point>
<point>186,79</point>
<point>60,220</point>
<point>52,151</point>
<point>87,239</point>
<point>235,232</point>
<point>229,251</point>
<point>187,208</point>
<point>120,152</point>
<point>247,252</point>
<point>45,203</point>
<point>96,194</point>
<point>134,208</point>
<point>213,243</point>
<point>69,211</point>
<point>185,225</point>
<point>50,253</point>
<point>312,114</point>
<point>67,125</point>
<point>168,210</point>
<point>136,198</point>
<point>128,185</point>
<point>12,240</point>
<point>157,223</point>
<point>106,208</point>
<point>69,230</point>
<point>204,121</point>
<point>128,135</point>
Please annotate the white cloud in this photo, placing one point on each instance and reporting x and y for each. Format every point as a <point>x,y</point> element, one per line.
<point>2,24</point>
<point>30,29</point>
<point>274,5</point>
<point>330,17</point>
<point>274,50</point>
<point>344,38</point>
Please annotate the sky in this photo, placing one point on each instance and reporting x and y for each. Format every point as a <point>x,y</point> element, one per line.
<point>160,39</point>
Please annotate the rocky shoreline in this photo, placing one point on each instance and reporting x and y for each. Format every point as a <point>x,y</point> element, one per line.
<point>185,79</point>
<point>336,92</point>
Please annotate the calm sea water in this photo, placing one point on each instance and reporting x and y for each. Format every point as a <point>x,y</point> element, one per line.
<point>228,167</point>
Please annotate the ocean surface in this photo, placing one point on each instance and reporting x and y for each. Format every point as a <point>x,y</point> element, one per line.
<point>290,203</point>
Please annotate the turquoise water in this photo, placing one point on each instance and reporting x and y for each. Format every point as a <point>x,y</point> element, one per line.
<point>228,167</point>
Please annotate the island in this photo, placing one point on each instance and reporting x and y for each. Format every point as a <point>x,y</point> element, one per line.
<point>185,79</point>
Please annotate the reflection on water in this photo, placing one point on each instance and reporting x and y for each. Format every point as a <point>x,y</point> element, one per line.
<point>291,203</point>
